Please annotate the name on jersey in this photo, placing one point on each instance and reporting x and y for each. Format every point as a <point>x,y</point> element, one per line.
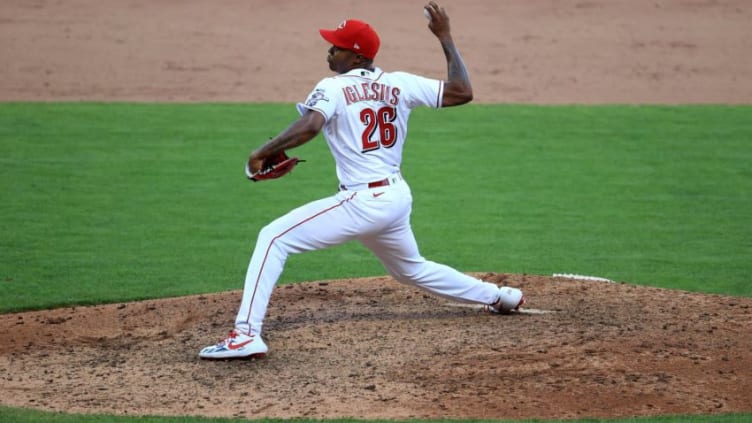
<point>373,91</point>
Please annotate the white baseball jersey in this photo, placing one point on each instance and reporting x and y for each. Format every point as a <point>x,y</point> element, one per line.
<point>366,119</point>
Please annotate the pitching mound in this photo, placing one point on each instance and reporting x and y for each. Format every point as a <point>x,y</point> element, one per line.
<point>374,348</point>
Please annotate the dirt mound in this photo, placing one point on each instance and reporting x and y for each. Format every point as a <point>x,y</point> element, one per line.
<point>374,348</point>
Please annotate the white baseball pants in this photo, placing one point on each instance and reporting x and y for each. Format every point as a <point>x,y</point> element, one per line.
<point>377,217</point>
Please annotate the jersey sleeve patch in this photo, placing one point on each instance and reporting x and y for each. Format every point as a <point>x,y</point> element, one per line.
<point>319,100</point>
<point>316,96</point>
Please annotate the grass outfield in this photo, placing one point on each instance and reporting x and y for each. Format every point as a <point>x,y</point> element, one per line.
<point>118,202</point>
<point>32,416</point>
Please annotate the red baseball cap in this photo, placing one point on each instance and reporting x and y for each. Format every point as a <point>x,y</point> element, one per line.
<point>354,35</point>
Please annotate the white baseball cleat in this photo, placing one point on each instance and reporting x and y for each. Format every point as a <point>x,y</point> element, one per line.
<point>510,299</point>
<point>237,345</point>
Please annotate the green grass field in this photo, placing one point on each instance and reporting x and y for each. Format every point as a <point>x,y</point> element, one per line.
<point>119,202</point>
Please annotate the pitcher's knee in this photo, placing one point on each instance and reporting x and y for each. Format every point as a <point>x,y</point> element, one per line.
<point>413,276</point>
<point>272,236</point>
<point>269,232</point>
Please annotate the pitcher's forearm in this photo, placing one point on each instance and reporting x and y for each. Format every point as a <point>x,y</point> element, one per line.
<point>300,132</point>
<point>457,88</point>
<point>456,69</point>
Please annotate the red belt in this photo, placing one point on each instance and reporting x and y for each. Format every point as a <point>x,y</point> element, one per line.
<point>382,183</point>
<point>375,184</point>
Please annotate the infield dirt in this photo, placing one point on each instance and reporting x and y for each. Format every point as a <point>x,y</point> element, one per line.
<point>371,347</point>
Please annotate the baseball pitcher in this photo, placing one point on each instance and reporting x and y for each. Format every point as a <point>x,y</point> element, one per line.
<point>363,112</point>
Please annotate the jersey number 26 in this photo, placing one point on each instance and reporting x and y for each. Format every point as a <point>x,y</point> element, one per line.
<point>379,128</point>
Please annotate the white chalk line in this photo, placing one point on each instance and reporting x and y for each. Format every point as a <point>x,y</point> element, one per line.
<point>581,277</point>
